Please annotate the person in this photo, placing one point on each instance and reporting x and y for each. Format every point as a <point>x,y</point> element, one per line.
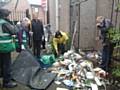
<point>7,32</point>
<point>104,24</point>
<point>48,32</point>
<point>22,37</point>
<point>59,42</point>
<point>38,34</point>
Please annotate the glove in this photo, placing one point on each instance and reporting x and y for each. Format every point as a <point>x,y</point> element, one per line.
<point>31,33</point>
<point>13,36</point>
<point>22,47</point>
<point>43,37</point>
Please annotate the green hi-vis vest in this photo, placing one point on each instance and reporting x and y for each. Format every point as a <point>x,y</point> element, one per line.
<point>6,41</point>
<point>24,40</point>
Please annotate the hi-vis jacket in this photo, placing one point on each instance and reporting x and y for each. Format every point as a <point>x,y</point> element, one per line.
<point>6,39</point>
<point>61,40</point>
<point>21,38</point>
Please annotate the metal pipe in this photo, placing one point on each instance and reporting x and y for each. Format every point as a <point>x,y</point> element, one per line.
<point>116,14</point>
<point>57,15</point>
<point>73,37</point>
<point>16,4</point>
<point>79,22</point>
<point>112,10</point>
<point>48,12</point>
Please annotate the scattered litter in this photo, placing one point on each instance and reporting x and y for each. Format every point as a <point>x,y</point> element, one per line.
<point>94,86</point>
<point>61,88</point>
<point>57,82</point>
<point>74,70</point>
<point>89,75</point>
<point>68,82</point>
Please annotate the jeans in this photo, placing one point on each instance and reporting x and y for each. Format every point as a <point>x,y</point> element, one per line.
<point>106,56</point>
<point>61,49</point>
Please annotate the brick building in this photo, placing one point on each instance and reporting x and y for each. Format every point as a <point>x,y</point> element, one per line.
<point>18,12</point>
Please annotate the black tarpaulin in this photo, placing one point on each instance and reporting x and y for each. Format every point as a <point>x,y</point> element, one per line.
<point>24,67</point>
<point>27,70</point>
<point>42,80</point>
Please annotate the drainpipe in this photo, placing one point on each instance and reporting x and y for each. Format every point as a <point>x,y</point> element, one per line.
<point>112,10</point>
<point>57,15</point>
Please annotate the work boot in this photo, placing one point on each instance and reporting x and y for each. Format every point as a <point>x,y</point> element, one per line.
<point>9,85</point>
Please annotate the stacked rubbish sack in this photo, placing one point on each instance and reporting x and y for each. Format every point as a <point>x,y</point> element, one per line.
<point>78,72</point>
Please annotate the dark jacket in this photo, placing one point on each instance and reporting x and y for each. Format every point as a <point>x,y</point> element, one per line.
<point>104,27</point>
<point>8,28</point>
<point>37,28</point>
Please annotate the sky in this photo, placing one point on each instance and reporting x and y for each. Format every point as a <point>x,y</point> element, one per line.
<point>37,2</point>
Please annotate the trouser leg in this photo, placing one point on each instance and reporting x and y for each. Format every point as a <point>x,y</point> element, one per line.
<point>6,67</point>
<point>34,47</point>
<point>61,48</point>
<point>105,58</point>
<point>38,48</point>
<point>111,48</point>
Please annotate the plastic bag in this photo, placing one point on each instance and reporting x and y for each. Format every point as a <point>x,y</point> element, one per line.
<point>48,59</point>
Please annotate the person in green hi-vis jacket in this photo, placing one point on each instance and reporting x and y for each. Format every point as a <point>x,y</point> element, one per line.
<point>7,33</point>
<point>22,35</point>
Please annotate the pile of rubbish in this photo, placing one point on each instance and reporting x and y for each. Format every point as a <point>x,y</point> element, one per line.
<point>74,70</point>
<point>78,71</point>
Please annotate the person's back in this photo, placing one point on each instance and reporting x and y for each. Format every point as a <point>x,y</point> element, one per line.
<point>38,33</point>
<point>61,39</point>
<point>59,42</point>
<point>37,29</point>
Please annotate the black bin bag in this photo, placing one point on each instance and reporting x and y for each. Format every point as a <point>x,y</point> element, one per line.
<point>26,70</point>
